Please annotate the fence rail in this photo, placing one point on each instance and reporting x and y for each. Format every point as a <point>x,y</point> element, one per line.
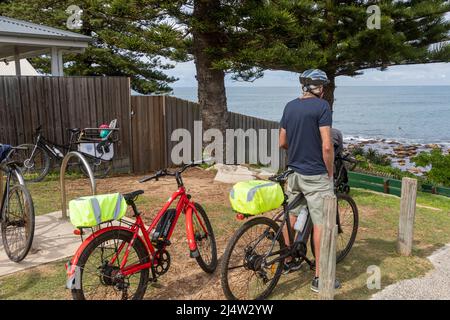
<point>389,186</point>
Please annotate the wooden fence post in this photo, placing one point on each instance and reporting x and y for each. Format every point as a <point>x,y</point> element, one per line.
<point>407,215</point>
<point>328,250</point>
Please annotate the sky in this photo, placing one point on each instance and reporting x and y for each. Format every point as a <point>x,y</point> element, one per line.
<point>411,75</point>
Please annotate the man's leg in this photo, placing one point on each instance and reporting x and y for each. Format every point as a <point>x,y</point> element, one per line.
<point>317,240</point>
<point>315,188</point>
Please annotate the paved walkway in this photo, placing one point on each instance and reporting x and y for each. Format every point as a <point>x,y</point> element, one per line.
<point>435,285</point>
<point>53,240</point>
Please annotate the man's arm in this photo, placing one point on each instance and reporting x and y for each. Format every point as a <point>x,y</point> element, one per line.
<point>327,150</point>
<point>283,139</point>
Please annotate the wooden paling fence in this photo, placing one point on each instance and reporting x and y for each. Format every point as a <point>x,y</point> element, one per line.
<point>146,123</point>
<point>154,118</point>
<point>59,103</point>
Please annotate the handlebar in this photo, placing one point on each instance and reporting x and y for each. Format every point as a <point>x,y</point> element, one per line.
<point>176,174</point>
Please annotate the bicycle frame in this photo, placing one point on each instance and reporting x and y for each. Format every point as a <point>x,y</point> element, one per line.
<point>9,172</point>
<point>49,146</point>
<point>184,205</point>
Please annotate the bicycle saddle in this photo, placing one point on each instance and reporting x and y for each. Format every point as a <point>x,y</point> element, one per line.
<point>132,195</point>
<point>74,130</point>
<point>281,177</point>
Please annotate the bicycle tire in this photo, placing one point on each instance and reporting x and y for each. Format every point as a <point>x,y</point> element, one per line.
<point>18,254</point>
<point>231,246</point>
<point>23,156</point>
<point>342,254</point>
<point>212,265</point>
<point>100,168</point>
<point>124,235</point>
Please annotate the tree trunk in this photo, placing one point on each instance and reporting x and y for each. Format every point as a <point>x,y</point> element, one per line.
<point>211,82</point>
<point>329,91</point>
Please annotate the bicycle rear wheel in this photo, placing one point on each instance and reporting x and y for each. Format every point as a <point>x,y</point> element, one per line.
<point>100,168</point>
<point>100,279</point>
<point>34,167</point>
<point>18,223</point>
<point>348,220</point>
<point>244,273</point>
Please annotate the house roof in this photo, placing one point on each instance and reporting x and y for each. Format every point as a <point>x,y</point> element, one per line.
<point>14,27</point>
<point>25,39</point>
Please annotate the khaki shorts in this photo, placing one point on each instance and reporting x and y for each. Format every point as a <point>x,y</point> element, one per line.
<point>314,188</point>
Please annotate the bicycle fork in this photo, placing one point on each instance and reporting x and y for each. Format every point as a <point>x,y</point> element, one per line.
<point>190,232</point>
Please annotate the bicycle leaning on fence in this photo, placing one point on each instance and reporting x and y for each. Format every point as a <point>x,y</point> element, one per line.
<point>253,260</point>
<point>118,262</point>
<point>98,151</point>
<point>17,209</point>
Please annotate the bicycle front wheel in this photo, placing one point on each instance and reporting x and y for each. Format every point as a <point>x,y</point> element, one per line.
<point>246,272</point>
<point>18,223</point>
<point>205,240</point>
<point>35,162</point>
<point>99,268</point>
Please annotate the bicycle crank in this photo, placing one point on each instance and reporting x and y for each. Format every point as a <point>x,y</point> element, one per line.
<point>163,263</point>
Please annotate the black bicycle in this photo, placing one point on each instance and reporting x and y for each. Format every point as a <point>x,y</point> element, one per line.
<point>342,165</point>
<point>253,260</point>
<point>17,209</point>
<point>36,158</point>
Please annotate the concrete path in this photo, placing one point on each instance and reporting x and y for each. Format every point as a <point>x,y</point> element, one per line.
<point>53,240</point>
<point>435,285</point>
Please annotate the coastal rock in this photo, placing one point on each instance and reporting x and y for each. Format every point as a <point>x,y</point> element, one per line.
<point>432,146</point>
<point>415,170</point>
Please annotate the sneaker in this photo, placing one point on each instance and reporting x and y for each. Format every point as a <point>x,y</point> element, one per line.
<point>291,266</point>
<point>315,285</point>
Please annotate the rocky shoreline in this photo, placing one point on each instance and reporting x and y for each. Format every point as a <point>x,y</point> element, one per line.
<point>399,153</point>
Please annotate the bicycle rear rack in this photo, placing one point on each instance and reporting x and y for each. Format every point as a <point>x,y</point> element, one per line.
<point>64,164</point>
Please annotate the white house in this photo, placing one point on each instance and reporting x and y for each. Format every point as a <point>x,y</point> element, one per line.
<point>21,39</point>
<point>9,69</point>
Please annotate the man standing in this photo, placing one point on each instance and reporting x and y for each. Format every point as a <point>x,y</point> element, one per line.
<point>306,135</point>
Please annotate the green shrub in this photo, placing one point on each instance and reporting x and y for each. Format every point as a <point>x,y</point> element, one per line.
<point>440,162</point>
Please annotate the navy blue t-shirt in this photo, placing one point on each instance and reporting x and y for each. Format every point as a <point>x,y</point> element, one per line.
<point>302,119</point>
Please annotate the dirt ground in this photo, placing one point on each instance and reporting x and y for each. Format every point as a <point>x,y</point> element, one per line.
<point>185,279</point>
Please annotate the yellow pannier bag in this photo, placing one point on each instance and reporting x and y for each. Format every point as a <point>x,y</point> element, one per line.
<point>256,197</point>
<point>87,212</point>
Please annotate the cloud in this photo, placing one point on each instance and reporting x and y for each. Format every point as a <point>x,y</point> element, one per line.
<point>408,75</point>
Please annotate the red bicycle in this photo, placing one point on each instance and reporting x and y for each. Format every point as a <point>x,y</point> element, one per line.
<point>118,262</point>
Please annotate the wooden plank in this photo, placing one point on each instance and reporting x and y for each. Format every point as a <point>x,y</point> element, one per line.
<point>367,185</point>
<point>327,261</point>
<point>443,191</point>
<point>365,177</point>
<point>407,216</point>
<point>395,183</point>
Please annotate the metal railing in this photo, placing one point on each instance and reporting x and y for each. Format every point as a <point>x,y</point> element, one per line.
<point>64,165</point>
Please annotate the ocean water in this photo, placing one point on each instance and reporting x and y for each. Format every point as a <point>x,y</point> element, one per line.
<point>405,114</point>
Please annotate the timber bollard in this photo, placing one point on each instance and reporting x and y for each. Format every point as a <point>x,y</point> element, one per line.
<point>328,250</point>
<point>1,185</point>
<point>407,216</point>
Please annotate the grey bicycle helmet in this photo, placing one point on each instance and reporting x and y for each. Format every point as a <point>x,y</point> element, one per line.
<point>314,77</point>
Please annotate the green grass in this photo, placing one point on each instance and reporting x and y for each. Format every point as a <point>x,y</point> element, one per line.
<point>44,282</point>
<point>375,245</point>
